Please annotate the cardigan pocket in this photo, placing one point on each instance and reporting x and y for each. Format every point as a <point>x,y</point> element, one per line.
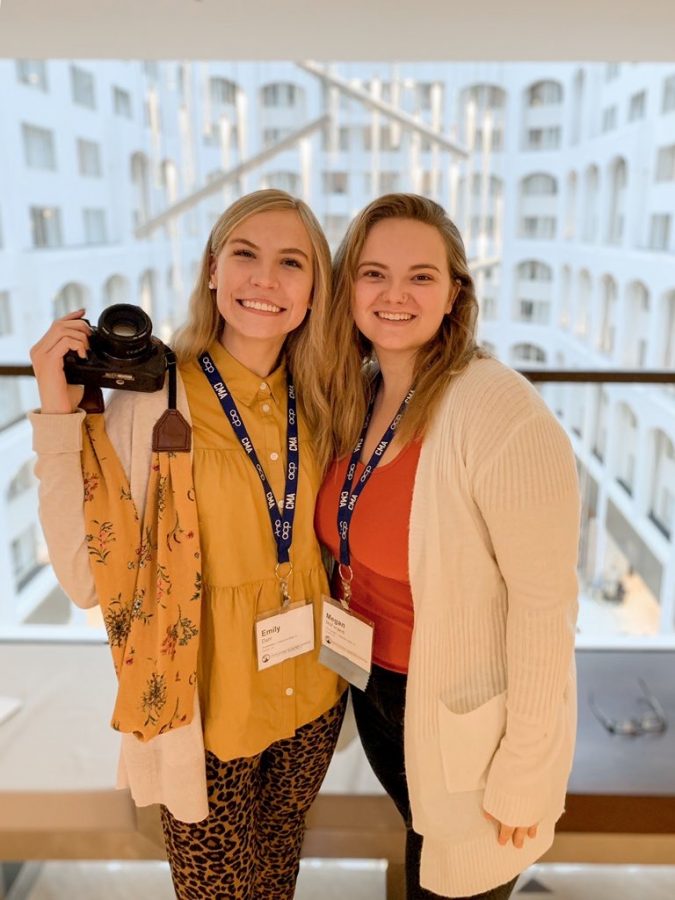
<point>469,741</point>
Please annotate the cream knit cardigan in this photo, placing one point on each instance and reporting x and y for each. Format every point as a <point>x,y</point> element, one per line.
<point>491,700</point>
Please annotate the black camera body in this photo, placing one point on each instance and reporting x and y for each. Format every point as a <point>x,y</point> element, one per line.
<point>123,354</point>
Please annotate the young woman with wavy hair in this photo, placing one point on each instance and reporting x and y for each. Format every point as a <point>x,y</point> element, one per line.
<point>452,510</point>
<point>228,731</point>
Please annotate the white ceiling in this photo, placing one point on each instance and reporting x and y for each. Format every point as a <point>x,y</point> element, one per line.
<point>339,29</point>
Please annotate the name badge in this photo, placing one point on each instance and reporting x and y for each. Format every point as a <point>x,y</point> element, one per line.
<point>284,634</point>
<point>346,642</point>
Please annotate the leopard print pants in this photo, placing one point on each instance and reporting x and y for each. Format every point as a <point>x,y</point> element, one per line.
<point>249,846</point>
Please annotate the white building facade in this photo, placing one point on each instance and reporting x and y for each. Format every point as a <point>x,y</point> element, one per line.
<point>560,176</point>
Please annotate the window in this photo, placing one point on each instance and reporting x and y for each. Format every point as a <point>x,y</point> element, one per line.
<point>46,226</point>
<point>38,147</point>
<point>5,314</point>
<point>544,138</point>
<point>82,87</point>
<point>340,136</point>
<point>539,186</point>
<point>485,96</point>
<point>536,311</point>
<point>665,164</point>
<point>424,94</point>
<point>609,117</point>
<point>659,231</point>
<point>538,227</point>
<point>532,270</point>
<point>662,501</point>
<point>222,92</point>
<point>89,158</point>
<point>668,102</point>
<point>545,93</point>
<point>335,183</point>
<point>122,102</point>
<point>637,106</point>
<point>24,557</point>
<point>626,443</point>
<point>496,139</point>
<point>23,481</point>
<point>612,71</point>
<point>95,231</point>
<point>528,353</point>
<point>283,181</point>
<point>32,72</point>
<point>284,95</point>
<point>71,297</point>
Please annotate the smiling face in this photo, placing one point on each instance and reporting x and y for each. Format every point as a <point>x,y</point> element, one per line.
<point>263,277</point>
<point>403,286</point>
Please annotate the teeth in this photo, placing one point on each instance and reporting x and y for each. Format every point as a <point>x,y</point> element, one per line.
<point>394,317</point>
<point>258,304</point>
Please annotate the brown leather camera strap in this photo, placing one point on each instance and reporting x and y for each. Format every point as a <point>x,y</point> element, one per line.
<point>172,433</point>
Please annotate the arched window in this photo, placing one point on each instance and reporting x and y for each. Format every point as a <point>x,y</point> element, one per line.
<point>140,177</point>
<point>530,353</point>
<point>618,180</point>
<point>590,202</point>
<point>534,270</point>
<point>116,290</point>
<point>571,206</point>
<point>610,293</point>
<point>583,306</point>
<point>222,92</point>
<point>662,493</point>
<point>72,296</point>
<point>147,291</point>
<point>539,185</point>
<point>637,333</point>
<point>626,443</point>
<point>545,93</point>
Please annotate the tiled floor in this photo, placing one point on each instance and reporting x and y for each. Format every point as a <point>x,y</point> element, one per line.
<point>330,880</point>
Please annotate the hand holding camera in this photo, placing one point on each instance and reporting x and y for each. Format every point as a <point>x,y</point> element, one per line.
<point>119,353</point>
<point>68,334</point>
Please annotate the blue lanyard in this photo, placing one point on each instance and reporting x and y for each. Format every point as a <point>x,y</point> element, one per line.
<point>349,496</point>
<point>282,522</point>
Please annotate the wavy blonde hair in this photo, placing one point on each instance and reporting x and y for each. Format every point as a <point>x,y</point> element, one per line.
<point>347,376</point>
<point>303,346</point>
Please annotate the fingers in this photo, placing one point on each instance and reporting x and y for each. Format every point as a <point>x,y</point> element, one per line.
<point>511,833</point>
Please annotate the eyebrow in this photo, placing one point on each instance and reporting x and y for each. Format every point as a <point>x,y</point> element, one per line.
<point>412,268</point>
<point>256,247</point>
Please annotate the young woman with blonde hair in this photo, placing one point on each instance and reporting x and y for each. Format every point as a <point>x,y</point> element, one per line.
<point>193,528</point>
<point>452,510</point>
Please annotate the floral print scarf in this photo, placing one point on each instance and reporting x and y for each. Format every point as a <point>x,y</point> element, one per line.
<point>148,582</point>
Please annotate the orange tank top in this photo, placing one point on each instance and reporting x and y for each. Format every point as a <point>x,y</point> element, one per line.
<point>378,542</point>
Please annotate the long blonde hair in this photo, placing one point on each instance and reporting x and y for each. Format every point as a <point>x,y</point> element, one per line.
<point>303,347</point>
<point>348,375</point>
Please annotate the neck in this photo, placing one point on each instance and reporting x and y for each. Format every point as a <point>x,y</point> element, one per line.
<point>397,375</point>
<point>259,356</point>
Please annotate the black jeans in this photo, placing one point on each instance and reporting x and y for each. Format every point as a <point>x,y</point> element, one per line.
<point>379,716</point>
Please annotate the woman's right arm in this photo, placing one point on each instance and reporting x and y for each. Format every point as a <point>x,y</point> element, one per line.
<point>57,440</point>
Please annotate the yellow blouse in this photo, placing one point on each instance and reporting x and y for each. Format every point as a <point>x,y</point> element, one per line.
<point>244,710</point>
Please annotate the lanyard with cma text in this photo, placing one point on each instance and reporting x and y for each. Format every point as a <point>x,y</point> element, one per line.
<point>282,520</point>
<point>349,496</point>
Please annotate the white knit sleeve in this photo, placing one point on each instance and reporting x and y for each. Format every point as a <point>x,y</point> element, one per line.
<point>529,498</point>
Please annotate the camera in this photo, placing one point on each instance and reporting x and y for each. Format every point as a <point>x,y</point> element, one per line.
<point>123,354</point>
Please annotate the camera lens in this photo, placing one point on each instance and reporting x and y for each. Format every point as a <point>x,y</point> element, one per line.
<point>124,332</point>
